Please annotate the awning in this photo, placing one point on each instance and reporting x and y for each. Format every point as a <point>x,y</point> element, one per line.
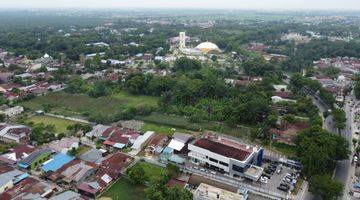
<point>177,145</point>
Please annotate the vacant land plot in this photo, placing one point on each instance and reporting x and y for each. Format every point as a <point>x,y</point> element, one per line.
<point>161,129</point>
<point>172,121</point>
<point>79,104</point>
<point>165,122</point>
<point>124,190</point>
<point>60,124</point>
<point>152,170</point>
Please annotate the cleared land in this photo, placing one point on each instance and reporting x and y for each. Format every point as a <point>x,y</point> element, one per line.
<point>164,122</point>
<point>152,170</point>
<point>124,190</point>
<point>80,104</point>
<point>60,124</point>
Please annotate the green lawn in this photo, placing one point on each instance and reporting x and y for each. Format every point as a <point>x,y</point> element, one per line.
<point>78,104</point>
<point>151,170</point>
<point>60,124</point>
<point>163,123</point>
<point>161,129</point>
<point>124,190</point>
<point>171,121</point>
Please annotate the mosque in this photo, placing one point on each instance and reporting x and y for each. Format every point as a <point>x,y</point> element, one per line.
<point>201,49</point>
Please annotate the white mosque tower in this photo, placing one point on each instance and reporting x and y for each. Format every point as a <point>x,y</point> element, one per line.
<point>182,40</point>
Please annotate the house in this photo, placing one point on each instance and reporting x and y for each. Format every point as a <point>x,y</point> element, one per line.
<point>227,155</point>
<point>30,188</point>
<point>67,195</point>
<point>35,158</point>
<point>14,133</point>
<point>56,162</point>
<point>208,192</point>
<point>97,131</point>
<point>277,99</point>
<point>280,88</point>
<point>9,177</point>
<point>13,111</point>
<point>93,156</point>
<point>110,169</point>
<point>142,141</point>
<point>17,153</point>
<point>74,172</point>
<point>65,144</point>
<point>155,145</point>
<point>179,141</point>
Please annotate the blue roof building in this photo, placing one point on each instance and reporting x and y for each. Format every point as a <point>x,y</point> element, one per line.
<point>57,162</point>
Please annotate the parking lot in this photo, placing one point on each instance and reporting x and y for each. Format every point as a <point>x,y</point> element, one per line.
<point>276,178</point>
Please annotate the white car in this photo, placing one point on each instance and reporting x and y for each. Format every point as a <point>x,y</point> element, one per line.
<point>212,172</point>
<point>264,179</point>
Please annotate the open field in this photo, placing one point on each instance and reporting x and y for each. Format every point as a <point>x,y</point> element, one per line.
<point>161,129</point>
<point>79,104</point>
<point>151,170</point>
<point>124,190</point>
<point>164,123</point>
<point>60,124</point>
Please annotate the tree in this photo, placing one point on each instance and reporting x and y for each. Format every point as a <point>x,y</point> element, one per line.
<point>137,83</point>
<point>172,170</point>
<point>76,85</point>
<point>178,193</point>
<point>42,134</point>
<point>185,64</point>
<point>339,118</point>
<point>136,175</point>
<point>100,88</point>
<point>325,187</point>
<point>317,150</point>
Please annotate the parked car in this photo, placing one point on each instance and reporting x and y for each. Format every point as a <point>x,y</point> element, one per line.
<point>264,179</point>
<point>285,189</point>
<point>266,175</point>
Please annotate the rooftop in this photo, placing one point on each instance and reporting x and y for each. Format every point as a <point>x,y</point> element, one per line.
<point>222,149</point>
<point>210,192</point>
<point>57,162</point>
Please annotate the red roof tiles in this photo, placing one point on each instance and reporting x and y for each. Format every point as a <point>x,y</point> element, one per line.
<point>222,149</point>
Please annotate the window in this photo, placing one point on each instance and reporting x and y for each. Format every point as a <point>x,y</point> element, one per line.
<point>238,169</point>
<point>225,164</point>
<point>213,160</point>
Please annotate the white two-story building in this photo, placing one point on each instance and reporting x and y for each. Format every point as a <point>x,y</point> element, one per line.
<point>227,155</point>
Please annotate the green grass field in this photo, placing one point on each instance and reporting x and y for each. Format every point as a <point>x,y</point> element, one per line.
<point>124,190</point>
<point>78,104</point>
<point>151,170</point>
<point>161,129</point>
<point>60,124</point>
<point>163,123</point>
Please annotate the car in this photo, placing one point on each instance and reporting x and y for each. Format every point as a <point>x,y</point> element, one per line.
<point>279,170</point>
<point>286,180</point>
<point>195,167</point>
<point>285,189</point>
<point>264,179</point>
<point>269,171</point>
<point>212,172</point>
<point>266,175</point>
<point>284,185</point>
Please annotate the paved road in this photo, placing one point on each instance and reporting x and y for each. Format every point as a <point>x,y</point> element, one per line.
<point>344,169</point>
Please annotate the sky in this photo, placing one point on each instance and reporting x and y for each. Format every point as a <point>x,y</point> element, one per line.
<point>211,4</point>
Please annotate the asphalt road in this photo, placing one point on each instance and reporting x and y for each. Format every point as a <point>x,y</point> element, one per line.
<point>344,169</point>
